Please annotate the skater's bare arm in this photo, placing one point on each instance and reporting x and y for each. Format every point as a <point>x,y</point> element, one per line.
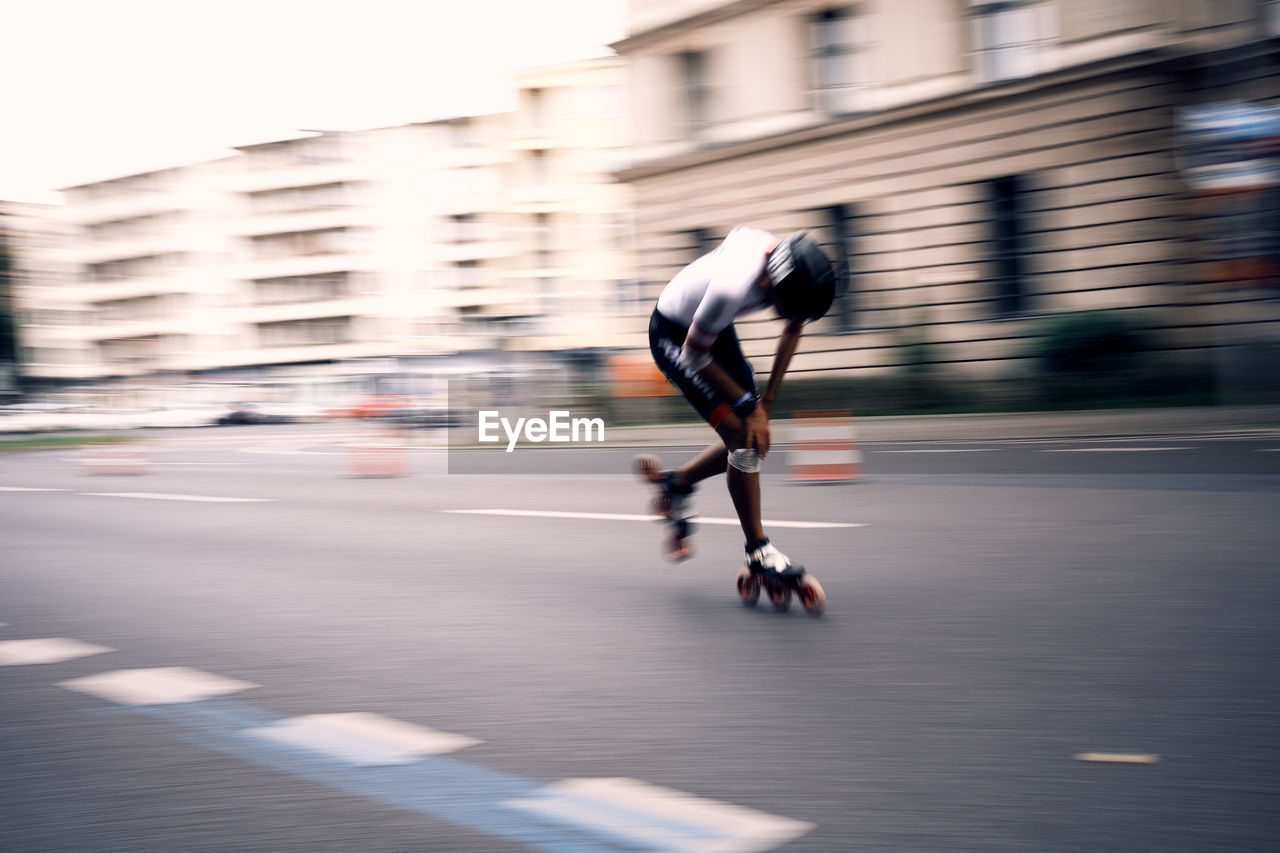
<point>787,344</point>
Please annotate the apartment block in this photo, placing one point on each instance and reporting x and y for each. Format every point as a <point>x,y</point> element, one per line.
<point>334,252</point>
<point>973,166</point>
<point>571,221</point>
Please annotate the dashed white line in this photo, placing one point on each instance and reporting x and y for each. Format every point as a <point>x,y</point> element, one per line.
<point>161,496</point>
<point>615,516</point>
<point>1117,757</point>
<point>178,464</point>
<point>652,816</point>
<point>287,452</point>
<point>46,650</point>
<point>162,686</point>
<point>1114,449</point>
<point>363,739</point>
<point>946,450</point>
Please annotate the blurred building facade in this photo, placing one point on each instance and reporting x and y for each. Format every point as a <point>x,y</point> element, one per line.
<point>573,220</point>
<point>341,253</point>
<point>147,256</point>
<point>976,166</point>
<point>44,305</point>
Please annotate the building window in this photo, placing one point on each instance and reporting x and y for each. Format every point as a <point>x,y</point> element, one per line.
<point>695,91</point>
<point>461,133</point>
<point>468,275</point>
<point>548,295</point>
<point>630,296</point>
<point>1011,39</point>
<point>1008,244</point>
<point>319,287</point>
<point>464,228</point>
<point>542,239</point>
<point>699,241</point>
<point>294,333</point>
<point>536,112</point>
<point>841,244</point>
<point>538,173</point>
<point>842,60</point>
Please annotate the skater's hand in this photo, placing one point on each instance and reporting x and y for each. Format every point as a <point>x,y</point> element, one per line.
<point>757,428</point>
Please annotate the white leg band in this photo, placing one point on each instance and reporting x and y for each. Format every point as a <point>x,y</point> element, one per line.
<point>746,461</point>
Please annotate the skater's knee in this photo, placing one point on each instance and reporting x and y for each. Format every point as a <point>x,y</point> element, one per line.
<point>745,460</point>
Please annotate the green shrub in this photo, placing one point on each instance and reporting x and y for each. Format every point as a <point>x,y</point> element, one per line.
<point>1089,343</point>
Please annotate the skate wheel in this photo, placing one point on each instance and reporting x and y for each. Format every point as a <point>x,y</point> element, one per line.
<point>811,595</point>
<point>748,587</point>
<point>781,597</point>
<point>648,468</point>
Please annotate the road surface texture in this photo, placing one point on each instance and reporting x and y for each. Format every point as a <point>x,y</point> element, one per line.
<point>1053,643</point>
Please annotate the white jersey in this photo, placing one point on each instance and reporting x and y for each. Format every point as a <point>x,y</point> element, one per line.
<point>709,294</point>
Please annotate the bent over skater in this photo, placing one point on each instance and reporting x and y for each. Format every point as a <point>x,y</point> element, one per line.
<point>693,341</point>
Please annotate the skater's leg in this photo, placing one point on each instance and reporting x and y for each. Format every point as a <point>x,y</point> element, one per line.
<point>710,462</point>
<point>743,478</point>
<point>744,488</point>
<point>744,484</point>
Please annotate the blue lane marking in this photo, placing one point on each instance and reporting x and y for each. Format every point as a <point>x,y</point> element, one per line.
<point>437,786</point>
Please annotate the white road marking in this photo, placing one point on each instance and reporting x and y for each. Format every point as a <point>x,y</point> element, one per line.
<point>616,516</point>
<point>177,464</point>
<point>1269,449</point>
<point>1117,757</point>
<point>200,463</point>
<point>233,438</point>
<point>28,489</point>
<point>360,738</point>
<point>945,450</point>
<point>162,686</point>
<point>160,496</point>
<point>50,650</point>
<point>273,452</point>
<point>651,816</point>
<point>1115,449</point>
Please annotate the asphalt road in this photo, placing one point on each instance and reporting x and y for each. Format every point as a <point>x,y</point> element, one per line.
<point>998,612</point>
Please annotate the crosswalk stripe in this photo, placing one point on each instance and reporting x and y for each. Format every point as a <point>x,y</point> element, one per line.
<point>362,738</point>
<point>160,686</point>
<point>45,650</point>
<point>648,815</point>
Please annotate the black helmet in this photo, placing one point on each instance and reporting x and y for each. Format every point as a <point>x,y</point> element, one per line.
<point>804,282</point>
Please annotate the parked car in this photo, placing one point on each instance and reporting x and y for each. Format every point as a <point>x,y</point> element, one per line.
<point>252,413</point>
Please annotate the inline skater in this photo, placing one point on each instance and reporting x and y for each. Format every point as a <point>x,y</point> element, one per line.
<point>693,341</point>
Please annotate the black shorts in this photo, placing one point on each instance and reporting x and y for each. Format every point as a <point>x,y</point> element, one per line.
<point>665,339</point>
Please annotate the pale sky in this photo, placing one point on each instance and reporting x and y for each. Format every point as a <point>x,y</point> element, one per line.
<point>96,89</point>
